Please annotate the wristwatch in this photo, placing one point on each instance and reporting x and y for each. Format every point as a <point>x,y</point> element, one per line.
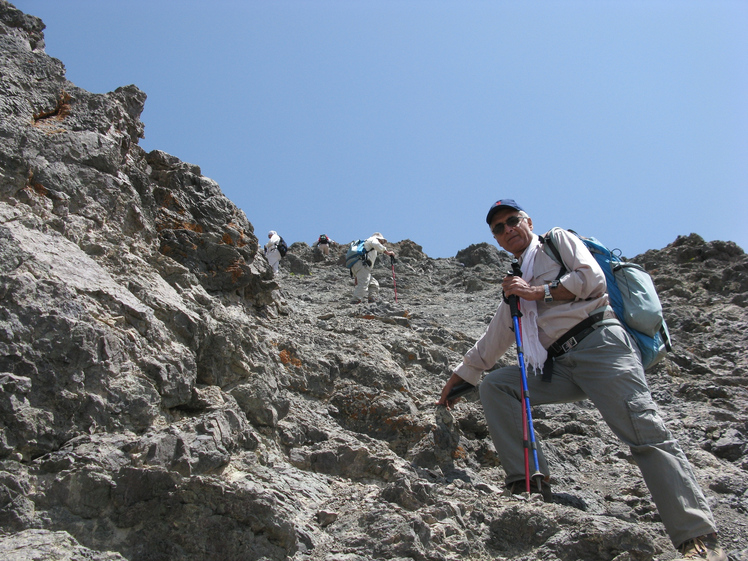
<point>547,289</point>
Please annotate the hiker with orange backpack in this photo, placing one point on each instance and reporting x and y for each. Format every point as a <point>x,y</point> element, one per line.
<point>578,349</point>
<point>323,243</point>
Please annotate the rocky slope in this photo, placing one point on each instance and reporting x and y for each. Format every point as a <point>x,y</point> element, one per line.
<point>162,396</point>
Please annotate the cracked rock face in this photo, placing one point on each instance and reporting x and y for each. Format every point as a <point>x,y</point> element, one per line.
<point>163,396</point>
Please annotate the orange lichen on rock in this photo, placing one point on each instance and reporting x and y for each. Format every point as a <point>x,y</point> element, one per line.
<point>60,111</point>
<point>236,270</point>
<point>286,358</point>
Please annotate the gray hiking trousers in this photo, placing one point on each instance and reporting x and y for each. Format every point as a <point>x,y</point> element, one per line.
<point>604,368</point>
<point>367,287</point>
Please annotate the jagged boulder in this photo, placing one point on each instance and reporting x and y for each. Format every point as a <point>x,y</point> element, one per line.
<point>479,254</point>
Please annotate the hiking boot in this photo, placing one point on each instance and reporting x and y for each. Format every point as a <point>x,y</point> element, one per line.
<point>703,547</point>
<point>519,487</point>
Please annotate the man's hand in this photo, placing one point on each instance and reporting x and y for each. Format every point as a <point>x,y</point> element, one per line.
<point>517,286</point>
<point>454,379</point>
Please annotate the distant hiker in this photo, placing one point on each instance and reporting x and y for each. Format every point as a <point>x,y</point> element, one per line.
<point>273,250</point>
<point>591,358</point>
<point>366,286</point>
<point>324,242</point>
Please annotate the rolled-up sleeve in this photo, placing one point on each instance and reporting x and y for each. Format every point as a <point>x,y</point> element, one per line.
<point>585,279</point>
<point>489,348</point>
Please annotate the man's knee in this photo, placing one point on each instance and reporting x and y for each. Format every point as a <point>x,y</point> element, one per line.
<point>504,380</point>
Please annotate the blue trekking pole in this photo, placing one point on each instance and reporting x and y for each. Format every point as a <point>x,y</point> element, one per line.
<point>528,432</point>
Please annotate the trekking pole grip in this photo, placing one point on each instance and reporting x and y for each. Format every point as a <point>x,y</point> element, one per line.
<point>513,299</point>
<point>516,269</point>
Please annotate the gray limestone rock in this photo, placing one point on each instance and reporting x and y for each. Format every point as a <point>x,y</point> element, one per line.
<point>164,396</point>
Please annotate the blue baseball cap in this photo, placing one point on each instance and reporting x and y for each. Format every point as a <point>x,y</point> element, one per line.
<point>500,205</point>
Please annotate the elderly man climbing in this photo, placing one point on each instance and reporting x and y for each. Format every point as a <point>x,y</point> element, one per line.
<point>600,363</point>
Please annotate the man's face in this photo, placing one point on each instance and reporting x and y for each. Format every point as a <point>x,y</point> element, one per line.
<point>513,239</point>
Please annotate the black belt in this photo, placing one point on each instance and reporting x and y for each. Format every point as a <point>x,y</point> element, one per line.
<point>571,339</point>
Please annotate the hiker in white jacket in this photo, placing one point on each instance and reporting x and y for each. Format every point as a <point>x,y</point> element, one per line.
<point>366,285</point>
<point>271,251</point>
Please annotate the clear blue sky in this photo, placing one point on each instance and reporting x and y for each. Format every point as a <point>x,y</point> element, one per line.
<point>626,120</point>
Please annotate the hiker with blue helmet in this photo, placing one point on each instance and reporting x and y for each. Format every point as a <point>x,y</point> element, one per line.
<point>272,253</point>
<point>600,363</point>
<point>366,286</point>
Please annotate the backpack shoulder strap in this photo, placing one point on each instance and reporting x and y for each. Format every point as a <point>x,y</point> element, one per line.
<point>549,246</point>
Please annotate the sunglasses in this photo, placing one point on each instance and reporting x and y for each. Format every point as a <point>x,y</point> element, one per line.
<point>512,222</point>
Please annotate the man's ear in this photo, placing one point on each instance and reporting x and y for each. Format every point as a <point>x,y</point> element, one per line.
<point>529,222</point>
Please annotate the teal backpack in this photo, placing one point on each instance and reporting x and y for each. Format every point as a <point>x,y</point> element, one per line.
<point>356,252</point>
<point>632,295</point>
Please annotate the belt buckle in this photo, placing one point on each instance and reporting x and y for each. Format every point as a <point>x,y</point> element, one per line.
<point>569,344</point>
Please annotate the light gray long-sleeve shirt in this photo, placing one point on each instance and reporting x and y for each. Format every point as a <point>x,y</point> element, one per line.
<point>584,278</point>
